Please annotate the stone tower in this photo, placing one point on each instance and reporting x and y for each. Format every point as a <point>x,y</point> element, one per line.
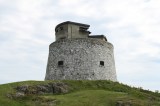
<point>76,55</point>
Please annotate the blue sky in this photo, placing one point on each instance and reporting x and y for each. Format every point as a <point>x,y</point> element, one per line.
<point>132,26</point>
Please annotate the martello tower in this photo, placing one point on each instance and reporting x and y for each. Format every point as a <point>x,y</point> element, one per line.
<point>77,55</point>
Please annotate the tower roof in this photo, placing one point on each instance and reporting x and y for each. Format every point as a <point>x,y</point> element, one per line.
<point>75,23</point>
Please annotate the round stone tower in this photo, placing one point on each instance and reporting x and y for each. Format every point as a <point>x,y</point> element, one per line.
<point>76,55</point>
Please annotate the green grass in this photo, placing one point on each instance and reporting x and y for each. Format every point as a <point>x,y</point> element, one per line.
<point>82,93</point>
<point>89,98</point>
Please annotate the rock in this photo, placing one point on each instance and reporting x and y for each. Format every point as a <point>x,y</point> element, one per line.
<point>23,88</point>
<point>16,95</point>
<point>10,96</point>
<point>42,89</point>
<point>19,94</point>
<point>119,103</point>
<point>50,88</point>
<point>45,101</point>
<point>54,88</point>
<point>122,103</point>
<point>59,88</point>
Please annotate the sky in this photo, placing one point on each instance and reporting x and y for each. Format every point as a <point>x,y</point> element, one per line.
<point>132,26</point>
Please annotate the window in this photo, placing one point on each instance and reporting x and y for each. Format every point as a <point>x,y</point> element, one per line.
<point>63,38</point>
<point>61,28</point>
<point>60,63</point>
<point>56,30</point>
<point>101,63</point>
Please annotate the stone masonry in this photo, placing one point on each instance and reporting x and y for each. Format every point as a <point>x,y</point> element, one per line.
<point>75,55</point>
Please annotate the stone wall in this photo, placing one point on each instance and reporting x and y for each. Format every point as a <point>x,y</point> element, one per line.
<point>81,59</point>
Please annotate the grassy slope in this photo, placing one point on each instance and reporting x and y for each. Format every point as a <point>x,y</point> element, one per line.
<point>83,93</point>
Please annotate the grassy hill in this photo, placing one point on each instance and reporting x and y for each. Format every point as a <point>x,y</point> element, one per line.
<point>75,93</point>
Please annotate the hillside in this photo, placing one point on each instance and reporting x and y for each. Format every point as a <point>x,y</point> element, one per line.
<point>75,93</point>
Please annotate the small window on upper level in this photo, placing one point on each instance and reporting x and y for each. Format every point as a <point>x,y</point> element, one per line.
<point>101,63</point>
<point>56,30</point>
<point>60,63</point>
<point>61,28</point>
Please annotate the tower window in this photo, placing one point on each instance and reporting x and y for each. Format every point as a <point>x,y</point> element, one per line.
<point>61,28</point>
<point>101,63</point>
<point>93,74</point>
<point>60,63</point>
<point>56,30</point>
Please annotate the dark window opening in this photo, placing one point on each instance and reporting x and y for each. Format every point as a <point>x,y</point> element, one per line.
<point>102,63</point>
<point>61,28</point>
<point>63,38</point>
<point>56,30</point>
<point>60,63</point>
